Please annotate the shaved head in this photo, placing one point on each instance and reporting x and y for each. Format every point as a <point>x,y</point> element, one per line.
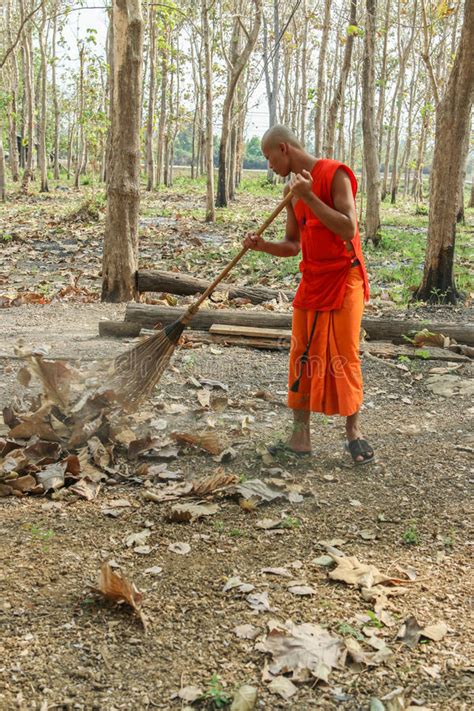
<point>279,134</point>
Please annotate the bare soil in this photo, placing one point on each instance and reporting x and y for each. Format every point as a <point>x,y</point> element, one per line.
<point>63,647</point>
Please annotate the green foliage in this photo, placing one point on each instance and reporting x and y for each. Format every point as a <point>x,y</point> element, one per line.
<point>411,536</point>
<point>347,629</point>
<point>5,237</point>
<point>374,620</point>
<point>290,522</point>
<point>253,156</point>
<point>216,694</point>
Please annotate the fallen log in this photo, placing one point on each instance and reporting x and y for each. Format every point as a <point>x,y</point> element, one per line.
<point>267,341</point>
<point>186,285</point>
<point>380,329</point>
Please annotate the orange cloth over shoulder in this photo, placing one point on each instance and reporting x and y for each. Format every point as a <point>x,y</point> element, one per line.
<point>325,260</point>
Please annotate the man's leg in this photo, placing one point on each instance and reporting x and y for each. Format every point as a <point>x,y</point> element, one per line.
<point>300,439</point>
<point>353,433</point>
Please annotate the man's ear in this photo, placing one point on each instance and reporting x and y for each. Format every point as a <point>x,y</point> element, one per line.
<point>283,148</point>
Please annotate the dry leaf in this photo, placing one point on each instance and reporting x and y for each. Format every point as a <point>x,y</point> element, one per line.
<point>247,631</point>
<point>86,489</point>
<point>99,453</point>
<point>258,490</point>
<point>245,698</point>
<point>23,483</point>
<point>207,440</point>
<point>349,570</point>
<point>426,338</point>
<point>52,477</point>
<point>204,397</point>
<point>282,686</point>
<point>435,632</point>
<point>180,548</point>
<point>303,651</point>
<point>301,590</point>
<point>138,539</point>
<point>184,513</point>
<point>120,590</point>
<point>190,693</point>
<point>259,602</point>
<point>277,571</point>
<point>211,484</point>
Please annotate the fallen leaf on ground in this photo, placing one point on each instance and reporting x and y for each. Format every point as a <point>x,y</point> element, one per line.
<point>52,477</point>
<point>303,651</point>
<point>236,583</point>
<point>282,686</point>
<point>155,570</point>
<point>120,590</point>
<point>86,489</point>
<point>207,440</point>
<point>190,693</point>
<point>138,539</point>
<point>277,571</point>
<point>255,488</point>
<point>180,548</point>
<point>245,698</point>
<point>186,513</point>
<point>349,570</point>
<point>259,602</point>
<point>246,631</point>
<point>435,632</point>
<point>301,590</point>
<point>409,632</point>
<point>211,484</point>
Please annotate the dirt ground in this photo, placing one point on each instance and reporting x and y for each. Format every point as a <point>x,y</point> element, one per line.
<point>62,646</point>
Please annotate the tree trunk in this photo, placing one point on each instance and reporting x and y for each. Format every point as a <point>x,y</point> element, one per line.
<point>371,159</point>
<point>321,84</point>
<point>12,113</point>
<point>209,148</point>
<point>271,60</point>
<point>328,149</point>
<point>120,256</point>
<point>471,201</point>
<point>162,120</point>
<point>3,190</point>
<point>453,117</point>
<point>54,91</point>
<point>237,62</point>
<point>383,78</point>
<point>29,101</point>
<point>151,102</point>
<point>462,177</point>
<point>80,122</point>
<point>43,162</point>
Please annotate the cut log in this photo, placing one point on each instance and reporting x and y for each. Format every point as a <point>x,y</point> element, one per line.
<point>119,329</point>
<point>185,285</point>
<point>382,329</point>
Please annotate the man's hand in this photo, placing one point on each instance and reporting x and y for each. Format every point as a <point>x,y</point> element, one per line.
<point>302,185</point>
<point>253,241</point>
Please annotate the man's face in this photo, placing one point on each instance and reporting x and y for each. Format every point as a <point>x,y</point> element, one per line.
<point>278,158</point>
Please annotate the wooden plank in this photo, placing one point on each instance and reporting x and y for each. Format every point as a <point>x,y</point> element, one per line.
<point>220,329</point>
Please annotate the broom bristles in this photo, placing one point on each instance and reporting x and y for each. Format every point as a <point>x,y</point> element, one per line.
<point>138,370</point>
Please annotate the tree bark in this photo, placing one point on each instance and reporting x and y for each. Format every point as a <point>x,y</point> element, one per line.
<point>3,189</point>
<point>162,120</point>
<point>120,255</point>
<point>80,120</point>
<point>237,63</point>
<point>12,113</point>
<point>29,101</point>
<point>209,147</point>
<point>43,161</point>
<point>337,100</point>
<point>453,116</point>
<point>151,102</point>
<point>321,84</point>
<point>371,158</point>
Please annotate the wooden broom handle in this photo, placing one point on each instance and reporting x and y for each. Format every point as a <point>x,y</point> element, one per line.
<point>286,201</point>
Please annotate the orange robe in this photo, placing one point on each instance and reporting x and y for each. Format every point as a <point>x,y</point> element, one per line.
<point>326,377</point>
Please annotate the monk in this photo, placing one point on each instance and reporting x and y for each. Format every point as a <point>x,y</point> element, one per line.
<point>324,370</point>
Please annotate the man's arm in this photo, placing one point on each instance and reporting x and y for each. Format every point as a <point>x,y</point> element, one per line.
<point>288,247</point>
<point>341,219</point>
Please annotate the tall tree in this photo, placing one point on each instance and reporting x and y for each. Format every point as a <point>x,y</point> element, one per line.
<point>321,83</point>
<point>453,120</point>
<point>120,256</point>
<point>209,147</point>
<point>236,62</point>
<point>371,157</point>
<point>338,97</point>
<point>151,100</point>
<point>42,158</point>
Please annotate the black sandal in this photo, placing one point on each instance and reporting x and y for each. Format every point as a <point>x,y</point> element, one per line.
<point>360,448</point>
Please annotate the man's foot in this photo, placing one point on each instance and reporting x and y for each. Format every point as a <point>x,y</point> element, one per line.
<point>360,451</point>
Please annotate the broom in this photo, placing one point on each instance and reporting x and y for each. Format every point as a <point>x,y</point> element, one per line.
<point>139,369</point>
